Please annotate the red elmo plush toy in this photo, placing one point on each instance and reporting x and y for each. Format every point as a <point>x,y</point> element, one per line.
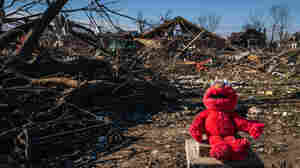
<point>221,123</point>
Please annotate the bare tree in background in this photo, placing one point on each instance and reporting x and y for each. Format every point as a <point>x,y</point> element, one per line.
<point>256,20</point>
<point>202,20</point>
<point>281,18</point>
<point>210,22</point>
<point>140,22</point>
<point>167,15</point>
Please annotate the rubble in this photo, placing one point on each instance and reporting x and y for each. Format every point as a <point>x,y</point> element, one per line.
<point>57,102</point>
<point>250,38</point>
<point>43,108</point>
<point>89,95</point>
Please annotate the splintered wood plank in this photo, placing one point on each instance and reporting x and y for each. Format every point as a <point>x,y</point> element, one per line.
<point>193,156</point>
<point>208,162</point>
<point>197,157</point>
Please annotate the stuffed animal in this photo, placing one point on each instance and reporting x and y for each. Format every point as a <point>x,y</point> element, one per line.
<point>221,123</point>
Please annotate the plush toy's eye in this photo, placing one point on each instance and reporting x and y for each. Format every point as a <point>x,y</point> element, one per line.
<point>217,96</point>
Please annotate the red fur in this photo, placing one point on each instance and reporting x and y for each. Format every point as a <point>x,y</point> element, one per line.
<point>221,123</point>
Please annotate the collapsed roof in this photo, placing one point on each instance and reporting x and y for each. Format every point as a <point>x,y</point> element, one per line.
<point>185,26</point>
<point>186,29</point>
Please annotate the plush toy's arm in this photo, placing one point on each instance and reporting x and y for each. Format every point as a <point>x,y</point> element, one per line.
<point>254,128</point>
<point>196,128</point>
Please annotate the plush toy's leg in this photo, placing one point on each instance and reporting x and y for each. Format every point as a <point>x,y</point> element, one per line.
<point>239,147</point>
<point>219,148</point>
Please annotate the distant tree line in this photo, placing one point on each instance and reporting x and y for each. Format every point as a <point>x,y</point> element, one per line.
<point>277,20</point>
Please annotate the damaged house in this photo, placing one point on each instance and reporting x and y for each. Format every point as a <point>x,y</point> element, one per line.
<point>251,38</point>
<point>176,32</point>
<point>294,40</point>
<point>120,41</point>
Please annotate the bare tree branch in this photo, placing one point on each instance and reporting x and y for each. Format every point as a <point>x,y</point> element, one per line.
<point>166,16</point>
<point>281,18</point>
<point>39,27</point>
<point>12,3</point>
<point>77,10</point>
<point>256,20</point>
<point>10,20</point>
<point>122,15</point>
<point>93,21</point>
<point>210,22</point>
<point>141,22</point>
<point>22,8</point>
<point>107,16</point>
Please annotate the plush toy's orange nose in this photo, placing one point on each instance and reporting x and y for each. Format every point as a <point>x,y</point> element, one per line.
<point>219,84</point>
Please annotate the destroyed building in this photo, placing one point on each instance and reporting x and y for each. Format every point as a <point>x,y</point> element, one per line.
<point>294,41</point>
<point>250,38</point>
<point>178,30</point>
<point>123,40</point>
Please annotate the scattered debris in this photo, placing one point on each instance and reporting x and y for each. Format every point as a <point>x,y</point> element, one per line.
<point>74,97</point>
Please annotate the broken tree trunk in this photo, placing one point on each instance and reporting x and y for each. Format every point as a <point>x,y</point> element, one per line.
<point>40,25</point>
<point>38,70</point>
<point>57,81</point>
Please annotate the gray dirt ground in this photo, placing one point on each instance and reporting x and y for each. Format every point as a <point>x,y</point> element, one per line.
<point>161,145</point>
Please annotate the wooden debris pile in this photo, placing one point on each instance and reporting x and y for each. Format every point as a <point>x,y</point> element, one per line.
<point>55,104</point>
<point>53,109</point>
